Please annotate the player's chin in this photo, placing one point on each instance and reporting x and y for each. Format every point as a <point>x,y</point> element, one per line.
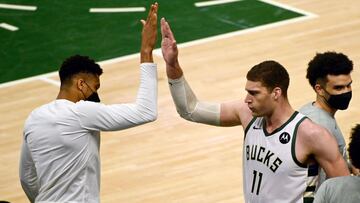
<point>254,112</point>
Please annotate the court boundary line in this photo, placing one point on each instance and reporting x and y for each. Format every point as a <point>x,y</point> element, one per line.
<point>18,7</point>
<point>117,10</point>
<point>213,3</point>
<point>157,52</point>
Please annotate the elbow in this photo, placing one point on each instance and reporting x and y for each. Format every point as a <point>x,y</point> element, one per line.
<point>186,116</point>
<point>152,116</point>
<point>149,115</point>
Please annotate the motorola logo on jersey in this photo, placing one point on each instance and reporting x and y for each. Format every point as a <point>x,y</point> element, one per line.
<point>284,138</point>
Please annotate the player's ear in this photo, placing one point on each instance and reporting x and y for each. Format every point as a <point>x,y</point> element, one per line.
<point>276,93</point>
<point>80,83</point>
<point>319,89</point>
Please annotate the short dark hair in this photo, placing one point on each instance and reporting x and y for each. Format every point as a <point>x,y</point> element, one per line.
<point>328,63</point>
<point>271,74</point>
<point>354,146</point>
<point>78,64</point>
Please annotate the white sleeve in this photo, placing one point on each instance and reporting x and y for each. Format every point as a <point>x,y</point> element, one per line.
<point>189,107</point>
<point>95,116</point>
<point>28,177</point>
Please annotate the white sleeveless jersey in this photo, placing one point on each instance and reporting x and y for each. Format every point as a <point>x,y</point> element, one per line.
<point>272,174</point>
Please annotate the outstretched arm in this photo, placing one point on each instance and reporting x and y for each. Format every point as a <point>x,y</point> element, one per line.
<point>94,116</point>
<point>187,104</point>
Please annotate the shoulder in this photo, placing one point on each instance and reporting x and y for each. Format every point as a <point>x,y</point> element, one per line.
<point>317,115</point>
<point>307,107</point>
<point>309,128</point>
<point>311,132</point>
<point>337,182</point>
<point>40,110</point>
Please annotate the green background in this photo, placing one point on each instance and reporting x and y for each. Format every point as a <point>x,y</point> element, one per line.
<point>60,28</point>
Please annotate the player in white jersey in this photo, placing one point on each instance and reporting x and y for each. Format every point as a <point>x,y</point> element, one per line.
<point>60,159</point>
<point>329,74</point>
<point>274,171</point>
<point>269,158</point>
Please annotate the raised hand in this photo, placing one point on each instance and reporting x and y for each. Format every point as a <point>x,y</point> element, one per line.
<point>149,34</point>
<point>168,44</point>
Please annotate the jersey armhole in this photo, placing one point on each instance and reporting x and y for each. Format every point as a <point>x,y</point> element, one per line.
<point>293,154</point>
<point>248,126</point>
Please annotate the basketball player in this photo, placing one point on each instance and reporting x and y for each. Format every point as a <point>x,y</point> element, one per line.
<point>279,142</point>
<point>60,153</point>
<point>343,189</point>
<point>329,75</point>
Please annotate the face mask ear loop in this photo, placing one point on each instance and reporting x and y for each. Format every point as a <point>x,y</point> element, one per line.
<point>323,97</point>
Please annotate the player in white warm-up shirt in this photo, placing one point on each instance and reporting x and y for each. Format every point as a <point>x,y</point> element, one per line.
<point>266,100</point>
<point>60,159</point>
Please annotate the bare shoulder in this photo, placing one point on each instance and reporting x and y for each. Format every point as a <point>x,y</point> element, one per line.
<point>311,132</point>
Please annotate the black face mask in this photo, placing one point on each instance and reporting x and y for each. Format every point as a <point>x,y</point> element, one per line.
<point>339,101</point>
<point>94,97</point>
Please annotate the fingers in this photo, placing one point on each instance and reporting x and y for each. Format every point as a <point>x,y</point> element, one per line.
<point>152,15</point>
<point>150,12</point>
<point>163,24</point>
<point>166,30</point>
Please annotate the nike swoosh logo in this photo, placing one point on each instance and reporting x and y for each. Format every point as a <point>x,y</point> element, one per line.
<point>256,127</point>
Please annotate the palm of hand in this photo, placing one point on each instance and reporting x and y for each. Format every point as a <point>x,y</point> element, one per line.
<point>169,50</point>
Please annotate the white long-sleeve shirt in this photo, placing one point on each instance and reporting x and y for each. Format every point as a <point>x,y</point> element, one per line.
<point>60,153</point>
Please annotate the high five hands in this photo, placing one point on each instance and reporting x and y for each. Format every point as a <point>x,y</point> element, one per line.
<point>149,34</point>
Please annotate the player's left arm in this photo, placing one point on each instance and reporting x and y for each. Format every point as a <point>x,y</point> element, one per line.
<point>323,147</point>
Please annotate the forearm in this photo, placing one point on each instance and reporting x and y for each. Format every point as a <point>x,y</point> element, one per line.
<point>146,100</point>
<point>188,106</point>
<point>95,116</point>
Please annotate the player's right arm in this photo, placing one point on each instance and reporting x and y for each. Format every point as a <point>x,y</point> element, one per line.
<point>186,102</point>
<point>100,117</point>
<point>27,172</point>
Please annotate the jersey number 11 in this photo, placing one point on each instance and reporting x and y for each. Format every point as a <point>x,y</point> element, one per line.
<point>257,178</point>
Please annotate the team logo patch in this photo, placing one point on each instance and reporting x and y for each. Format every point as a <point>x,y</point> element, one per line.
<point>284,138</point>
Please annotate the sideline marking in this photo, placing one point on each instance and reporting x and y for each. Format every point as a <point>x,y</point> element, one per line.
<point>117,10</point>
<point>51,81</point>
<point>215,2</point>
<point>18,7</point>
<point>9,27</point>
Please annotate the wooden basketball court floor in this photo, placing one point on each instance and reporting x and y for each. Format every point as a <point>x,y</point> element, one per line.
<point>172,160</point>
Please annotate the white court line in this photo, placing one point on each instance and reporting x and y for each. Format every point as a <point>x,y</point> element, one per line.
<point>215,2</point>
<point>242,32</point>
<point>117,10</point>
<point>287,7</point>
<point>8,27</point>
<point>18,7</point>
<point>307,16</point>
<point>51,81</point>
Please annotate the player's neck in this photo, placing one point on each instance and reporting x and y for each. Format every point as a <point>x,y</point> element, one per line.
<point>68,95</point>
<point>322,104</point>
<point>278,117</point>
